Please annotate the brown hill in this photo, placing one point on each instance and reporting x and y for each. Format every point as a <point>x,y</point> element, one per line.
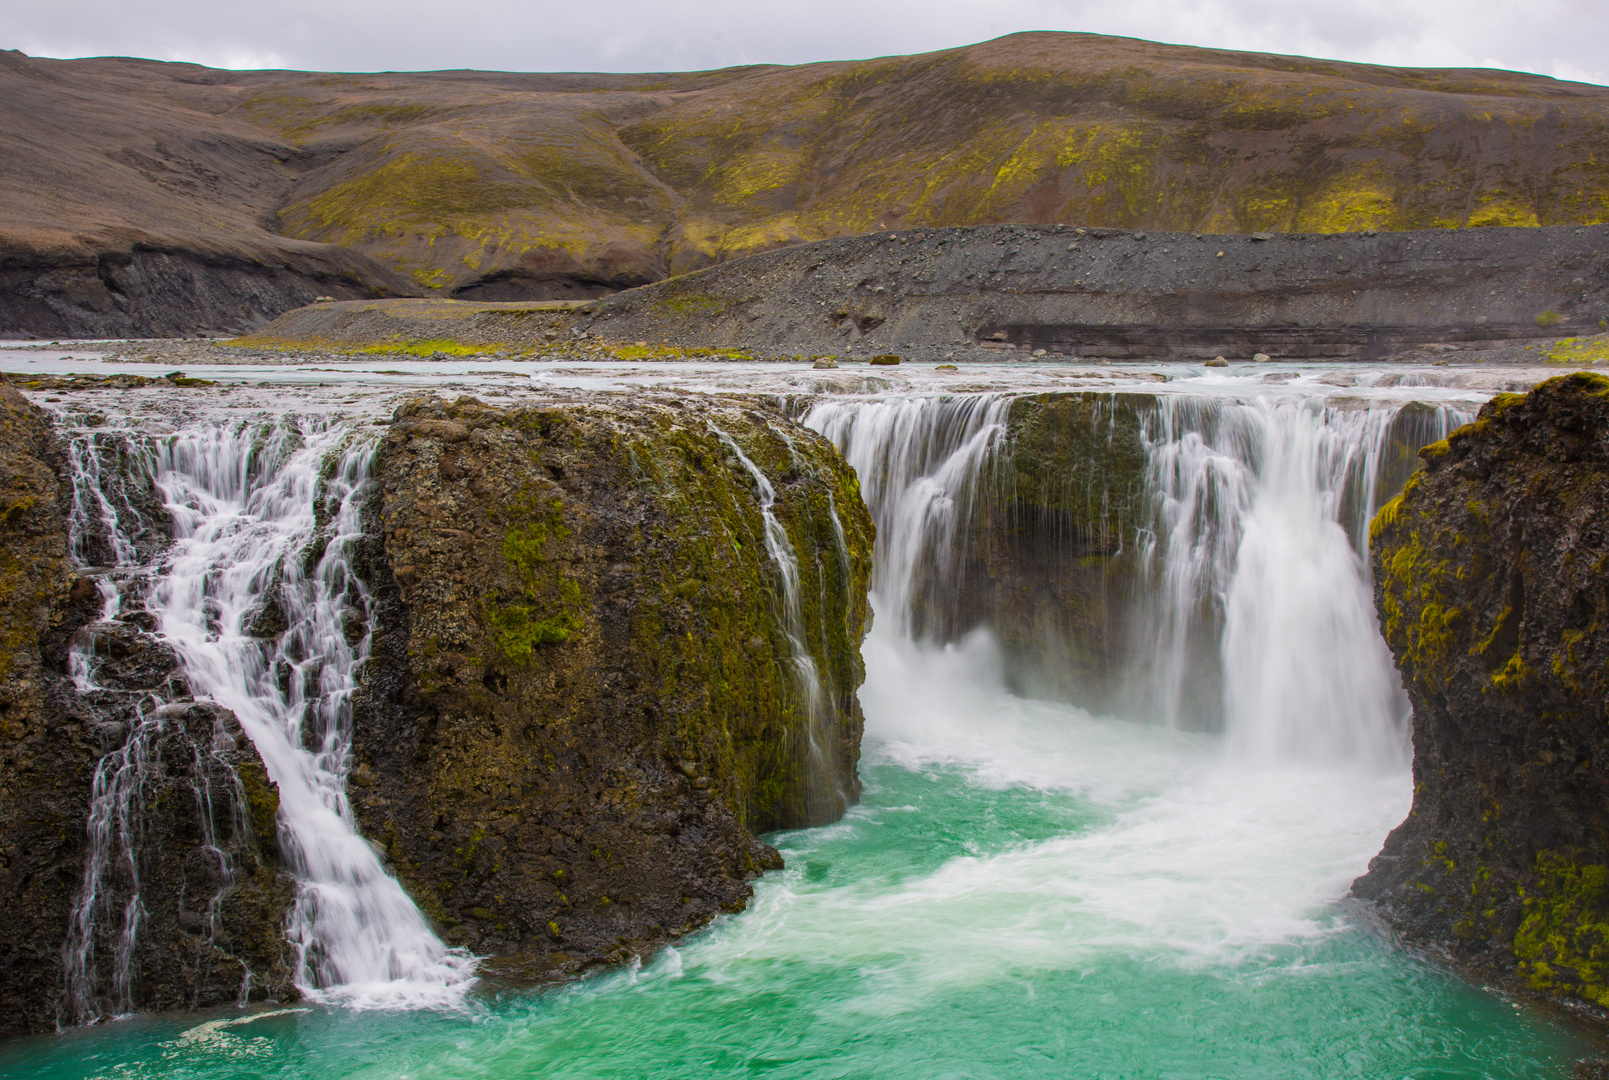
<point>150,198</point>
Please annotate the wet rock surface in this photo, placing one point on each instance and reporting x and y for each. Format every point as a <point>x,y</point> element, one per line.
<point>1490,585</point>
<point>582,702</point>
<point>1048,556</point>
<point>189,814</point>
<point>47,758</point>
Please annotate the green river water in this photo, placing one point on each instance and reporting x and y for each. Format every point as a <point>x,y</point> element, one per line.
<point>1025,891</point>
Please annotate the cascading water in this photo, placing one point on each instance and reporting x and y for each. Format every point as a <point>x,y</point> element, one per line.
<point>920,461</point>
<point>269,516</point>
<point>1253,612</point>
<point>1258,555</point>
<point>824,801</point>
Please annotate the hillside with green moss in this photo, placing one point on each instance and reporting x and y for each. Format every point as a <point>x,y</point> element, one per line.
<point>499,186</point>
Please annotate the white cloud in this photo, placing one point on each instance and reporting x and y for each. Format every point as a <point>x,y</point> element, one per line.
<point>1559,37</point>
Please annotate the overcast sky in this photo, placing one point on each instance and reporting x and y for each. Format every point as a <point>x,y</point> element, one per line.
<point>1568,39</point>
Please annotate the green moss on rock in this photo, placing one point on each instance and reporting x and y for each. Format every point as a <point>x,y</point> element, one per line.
<point>1491,586</point>
<point>583,685</point>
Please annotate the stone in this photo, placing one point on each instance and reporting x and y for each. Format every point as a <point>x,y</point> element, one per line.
<point>1492,592</point>
<point>585,690</point>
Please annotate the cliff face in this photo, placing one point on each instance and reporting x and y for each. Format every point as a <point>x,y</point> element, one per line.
<point>588,688</point>
<point>88,778</point>
<point>144,190</point>
<point>1491,586</point>
<point>46,763</point>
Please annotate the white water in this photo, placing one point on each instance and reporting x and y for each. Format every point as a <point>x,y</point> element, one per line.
<point>273,511</point>
<point>1253,572</point>
<point>919,461</point>
<point>1218,845</point>
<point>1215,844</point>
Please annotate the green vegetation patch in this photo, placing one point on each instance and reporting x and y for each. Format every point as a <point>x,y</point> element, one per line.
<point>1562,943</point>
<point>1578,350</point>
<point>551,607</point>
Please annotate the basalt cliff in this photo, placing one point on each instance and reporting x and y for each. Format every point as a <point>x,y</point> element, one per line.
<point>1490,575</point>
<point>151,199</point>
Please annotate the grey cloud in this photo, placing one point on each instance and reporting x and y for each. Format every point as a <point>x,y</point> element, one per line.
<point>1563,38</point>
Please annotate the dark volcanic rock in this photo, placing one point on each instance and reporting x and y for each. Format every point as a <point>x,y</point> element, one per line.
<point>1122,295</point>
<point>1007,292</point>
<point>1048,556</point>
<point>204,861</point>
<point>1493,594</point>
<point>47,759</point>
<point>581,704</point>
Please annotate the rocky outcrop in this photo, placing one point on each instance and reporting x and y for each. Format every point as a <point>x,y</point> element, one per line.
<point>165,816</point>
<point>183,849</point>
<point>46,761</point>
<point>1048,557</point>
<point>1492,591</point>
<point>590,681</point>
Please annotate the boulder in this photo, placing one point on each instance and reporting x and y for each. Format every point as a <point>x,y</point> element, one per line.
<point>586,695</point>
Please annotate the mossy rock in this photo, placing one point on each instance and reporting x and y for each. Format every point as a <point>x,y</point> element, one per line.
<point>584,684</point>
<point>1491,583</point>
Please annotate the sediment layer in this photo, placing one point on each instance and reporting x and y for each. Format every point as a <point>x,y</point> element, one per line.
<point>1010,291</point>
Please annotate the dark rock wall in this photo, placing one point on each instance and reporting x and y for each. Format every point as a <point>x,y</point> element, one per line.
<point>1492,590</point>
<point>197,841</point>
<point>1049,555</point>
<point>580,707</point>
<point>146,293</point>
<point>47,759</point>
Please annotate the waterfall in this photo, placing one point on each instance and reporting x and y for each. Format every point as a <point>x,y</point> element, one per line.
<point>1249,609</point>
<point>266,518</point>
<point>920,462</point>
<point>824,800</point>
<point>1259,568</point>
